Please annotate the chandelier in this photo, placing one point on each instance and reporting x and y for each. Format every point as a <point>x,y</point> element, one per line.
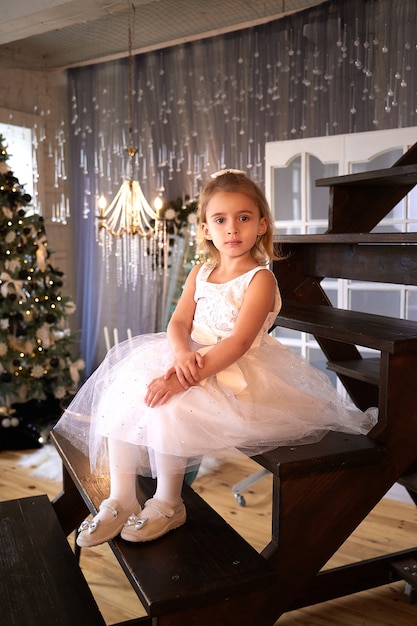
<point>128,228</point>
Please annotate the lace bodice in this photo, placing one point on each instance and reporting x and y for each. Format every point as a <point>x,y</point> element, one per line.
<point>218,304</point>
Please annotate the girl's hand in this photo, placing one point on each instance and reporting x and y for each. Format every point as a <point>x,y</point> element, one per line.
<point>161,389</point>
<point>186,368</point>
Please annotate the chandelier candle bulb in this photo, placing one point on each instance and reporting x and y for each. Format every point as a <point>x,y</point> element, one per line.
<point>128,229</point>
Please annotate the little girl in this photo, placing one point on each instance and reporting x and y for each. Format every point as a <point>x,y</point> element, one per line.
<point>215,380</point>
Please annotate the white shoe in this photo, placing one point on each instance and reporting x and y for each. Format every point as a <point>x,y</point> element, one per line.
<point>95,531</point>
<point>142,528</point>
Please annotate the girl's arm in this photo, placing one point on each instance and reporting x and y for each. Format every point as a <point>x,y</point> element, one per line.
<point>187,363</point>
<point>258,302</point>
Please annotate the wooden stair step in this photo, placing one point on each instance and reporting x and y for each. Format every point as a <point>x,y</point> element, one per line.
<point>353,578</point>
<point>409,481</point>
<point>202,562</point>
<point>406,569</point>
<point>367,369</point>
<point>353,327</point>
<point>359,202</point>
<point>40,580</point>
<point>395,175</point>
<point>351,237</point>
<point>334,450</point>
<point>366,262</point>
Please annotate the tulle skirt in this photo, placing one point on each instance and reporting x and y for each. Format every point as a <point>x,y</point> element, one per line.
<point>271,397</point>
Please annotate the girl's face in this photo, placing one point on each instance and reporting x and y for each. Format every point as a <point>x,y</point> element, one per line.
<point>233,222</point>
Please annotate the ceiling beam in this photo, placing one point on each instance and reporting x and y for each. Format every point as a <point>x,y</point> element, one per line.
<point>21,19</point>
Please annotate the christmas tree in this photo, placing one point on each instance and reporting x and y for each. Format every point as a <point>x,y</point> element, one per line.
<point>39,367</point>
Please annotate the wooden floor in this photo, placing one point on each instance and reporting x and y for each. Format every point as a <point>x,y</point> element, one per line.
<point>390,527</point>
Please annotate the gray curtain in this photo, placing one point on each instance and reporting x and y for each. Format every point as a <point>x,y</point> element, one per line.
<point>342,67</point>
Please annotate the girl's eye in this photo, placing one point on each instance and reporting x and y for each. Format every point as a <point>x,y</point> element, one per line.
<point>244,218</point>
<point>219,220</point>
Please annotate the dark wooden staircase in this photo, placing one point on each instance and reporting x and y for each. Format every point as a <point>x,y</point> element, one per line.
<point>322,500</point>
<point>321,491</point>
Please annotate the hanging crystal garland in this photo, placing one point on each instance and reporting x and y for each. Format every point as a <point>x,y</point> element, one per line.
<point>215,103</point>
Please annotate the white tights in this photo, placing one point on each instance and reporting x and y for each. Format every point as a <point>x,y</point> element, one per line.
<point>170,476</point>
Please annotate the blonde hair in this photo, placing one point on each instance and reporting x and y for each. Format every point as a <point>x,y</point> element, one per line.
<point>236,182</point>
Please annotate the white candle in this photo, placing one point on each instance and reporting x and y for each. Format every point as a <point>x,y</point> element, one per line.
<point>107,338</point>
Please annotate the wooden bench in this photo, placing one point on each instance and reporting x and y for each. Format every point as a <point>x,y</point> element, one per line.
<point>40,581</point>
<point>184,577</point>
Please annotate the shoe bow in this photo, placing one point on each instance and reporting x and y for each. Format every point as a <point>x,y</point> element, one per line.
<point>90,525</point>
<point>137,522</point>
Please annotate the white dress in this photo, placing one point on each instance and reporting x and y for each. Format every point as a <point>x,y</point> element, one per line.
<point>269,397</point>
